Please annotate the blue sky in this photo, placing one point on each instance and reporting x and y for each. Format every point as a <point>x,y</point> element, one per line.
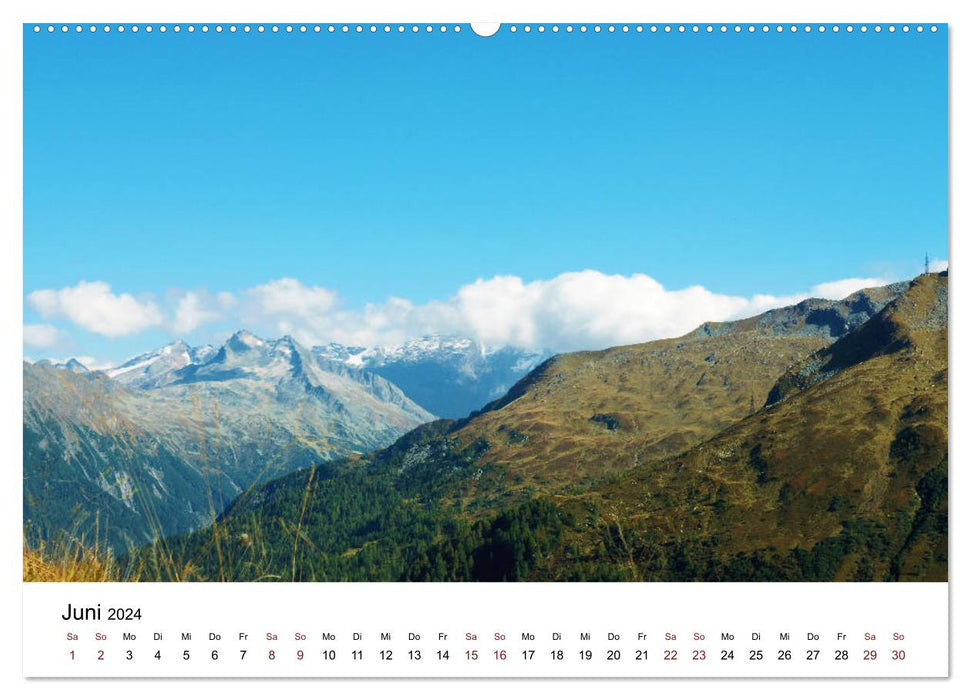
<point>296,182</point>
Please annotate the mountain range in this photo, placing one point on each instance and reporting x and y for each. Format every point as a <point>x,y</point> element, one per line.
<point>806,443</point>
<point>448,376</point>
<point>161,443</point>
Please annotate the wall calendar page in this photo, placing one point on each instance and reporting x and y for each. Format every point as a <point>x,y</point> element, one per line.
<point>450,350</point>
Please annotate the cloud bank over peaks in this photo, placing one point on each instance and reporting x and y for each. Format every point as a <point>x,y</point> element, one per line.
<point>580,310</point>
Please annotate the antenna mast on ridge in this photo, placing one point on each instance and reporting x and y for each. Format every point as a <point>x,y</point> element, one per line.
<point>927,264</point>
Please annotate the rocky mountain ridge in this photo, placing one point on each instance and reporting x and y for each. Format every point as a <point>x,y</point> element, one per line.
<point>165,430</point>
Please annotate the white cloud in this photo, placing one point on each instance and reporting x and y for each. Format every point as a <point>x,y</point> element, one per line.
<point>198,308</point>
<point>290,297</point>
<point>313,315</point>
<point>843,288</point>
<point>93,307</point>
<point>93,363</point>
<point>42,335</point>
<point>589,309</point>
<point>572,311</point>
<point>937,265</point>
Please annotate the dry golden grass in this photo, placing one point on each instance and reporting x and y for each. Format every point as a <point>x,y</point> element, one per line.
<point>70,562</point>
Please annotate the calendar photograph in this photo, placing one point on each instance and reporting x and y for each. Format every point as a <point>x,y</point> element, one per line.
<point>455,303</point>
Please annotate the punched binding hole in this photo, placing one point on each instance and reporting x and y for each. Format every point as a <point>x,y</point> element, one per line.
<point>485,29</point>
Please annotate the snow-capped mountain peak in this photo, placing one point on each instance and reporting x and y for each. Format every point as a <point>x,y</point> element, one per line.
<point>150,364</point>
<point>414,350</point>
<point>244,341</point>
<point>450,376</point>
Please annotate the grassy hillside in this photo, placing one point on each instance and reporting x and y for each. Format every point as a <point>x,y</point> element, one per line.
<point>584,417</point>
<point>843,477</point>
<point>588,416</point>
<point>806,459</point>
